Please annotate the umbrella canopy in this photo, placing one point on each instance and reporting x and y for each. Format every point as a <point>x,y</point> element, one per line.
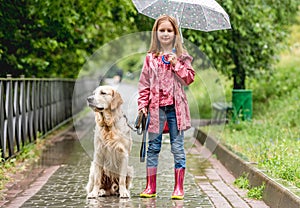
<point>204,15</point>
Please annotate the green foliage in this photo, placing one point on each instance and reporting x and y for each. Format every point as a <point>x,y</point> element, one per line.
<point>250,48</point>
<point>52,38</point>
<point>133,63</point>
<point>253,192</point>
<point>276,85</point>
<point>29,151</point>
<point>272,138</point>
<point>269,141</point>
<point>3,179</point>
<point>242,182</point>
<point>256,192</point>
<point>206,89</point>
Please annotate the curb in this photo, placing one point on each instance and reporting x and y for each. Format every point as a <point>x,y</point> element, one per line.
<point>274,195</point>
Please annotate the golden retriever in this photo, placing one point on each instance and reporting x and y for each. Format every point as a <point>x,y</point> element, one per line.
<point>109,171</point>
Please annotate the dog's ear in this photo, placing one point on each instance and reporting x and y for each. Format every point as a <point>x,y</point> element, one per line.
<point>116,100</point>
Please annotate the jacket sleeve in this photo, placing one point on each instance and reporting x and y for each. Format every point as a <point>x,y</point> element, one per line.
<point>184,70</point>
<point>144,85</point>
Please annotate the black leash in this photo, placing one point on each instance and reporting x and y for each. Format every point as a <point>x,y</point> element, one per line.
<point>138,128</point>
<point>141,128</point>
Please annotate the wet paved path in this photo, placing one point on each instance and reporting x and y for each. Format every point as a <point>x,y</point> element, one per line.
<point>207,182</point>
<point>66,186</point>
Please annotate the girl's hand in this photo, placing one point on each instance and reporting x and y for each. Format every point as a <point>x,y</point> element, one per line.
<point>173,59</point>
<point>144,111</point>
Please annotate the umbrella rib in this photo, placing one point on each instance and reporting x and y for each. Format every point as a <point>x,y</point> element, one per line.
<point>149,5</point>
<point>181,14</point>
<point>179,24</point>
<point>206,28</point>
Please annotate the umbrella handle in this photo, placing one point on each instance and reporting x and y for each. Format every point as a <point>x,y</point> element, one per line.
<point>164,60</point>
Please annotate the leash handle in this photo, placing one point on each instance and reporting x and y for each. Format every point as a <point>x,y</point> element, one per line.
<point>138,120</point>
<point>140,123</point>
<point>139,131</point>
<point>145,124</point>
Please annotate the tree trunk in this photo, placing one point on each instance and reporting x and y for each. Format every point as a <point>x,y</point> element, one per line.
<point>239,78</point>
<point>239,74</point>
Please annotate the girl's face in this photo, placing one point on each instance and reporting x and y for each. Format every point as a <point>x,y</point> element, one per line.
<point>165,33</point>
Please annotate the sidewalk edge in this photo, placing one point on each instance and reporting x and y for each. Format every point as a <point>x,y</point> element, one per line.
<point>275,195</point>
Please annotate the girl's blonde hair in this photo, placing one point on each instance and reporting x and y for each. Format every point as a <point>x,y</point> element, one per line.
<point>155,44</point>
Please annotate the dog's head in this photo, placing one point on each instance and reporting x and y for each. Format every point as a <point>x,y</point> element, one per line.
<point>103,98</point>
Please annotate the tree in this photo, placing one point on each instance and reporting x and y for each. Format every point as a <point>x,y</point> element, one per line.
<point>45,38</point>
<point>250,47</point>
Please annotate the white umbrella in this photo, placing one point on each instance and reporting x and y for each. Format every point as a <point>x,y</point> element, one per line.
<point>204,15</point>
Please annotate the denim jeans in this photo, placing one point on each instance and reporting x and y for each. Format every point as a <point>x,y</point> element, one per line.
<point>176,139</point>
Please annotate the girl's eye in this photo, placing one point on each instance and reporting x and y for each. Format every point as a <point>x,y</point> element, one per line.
<point>169,31</point>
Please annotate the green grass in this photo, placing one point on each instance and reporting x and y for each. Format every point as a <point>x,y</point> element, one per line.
<point>242,182</point>
<point>253,192</point>
<point>256,192</point>
<point>272,138</point>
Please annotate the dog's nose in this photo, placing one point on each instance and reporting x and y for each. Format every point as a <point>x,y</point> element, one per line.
<point>90,98</point>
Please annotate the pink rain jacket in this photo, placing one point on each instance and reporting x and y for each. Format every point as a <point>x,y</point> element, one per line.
<point>149,90</point>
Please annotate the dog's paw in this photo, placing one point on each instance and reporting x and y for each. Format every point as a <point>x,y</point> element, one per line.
<point>92,195</point>
<point>124,193</point>
<point>101,192</point>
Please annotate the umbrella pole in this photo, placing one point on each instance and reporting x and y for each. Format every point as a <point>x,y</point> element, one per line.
<point>181,37</point>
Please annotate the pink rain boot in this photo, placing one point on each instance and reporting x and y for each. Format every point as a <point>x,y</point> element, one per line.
<point>150,190</point>
<point>178,192</point>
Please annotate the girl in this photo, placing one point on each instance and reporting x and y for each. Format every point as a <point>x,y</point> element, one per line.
<point>167,68</point>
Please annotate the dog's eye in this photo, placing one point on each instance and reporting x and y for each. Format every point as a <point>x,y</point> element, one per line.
<point>103,93</point>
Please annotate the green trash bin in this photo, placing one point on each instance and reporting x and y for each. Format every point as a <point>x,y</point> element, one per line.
<point>242,104</point>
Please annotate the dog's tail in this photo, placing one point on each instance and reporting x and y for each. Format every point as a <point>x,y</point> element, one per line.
<point>114,189</point>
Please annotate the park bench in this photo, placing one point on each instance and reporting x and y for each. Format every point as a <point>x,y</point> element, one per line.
<point>221,111</point>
